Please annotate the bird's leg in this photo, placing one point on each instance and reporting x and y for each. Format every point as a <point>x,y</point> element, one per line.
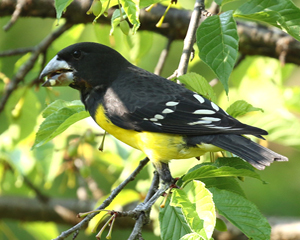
<point>164,172</point>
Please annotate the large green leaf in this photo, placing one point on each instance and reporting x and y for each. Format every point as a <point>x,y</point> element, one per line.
<point>217,40</point>
<point>242,213</point>
<point>59,116</point>
<point>279,13</point>
<point>226,183</point>
<point>223,167</point>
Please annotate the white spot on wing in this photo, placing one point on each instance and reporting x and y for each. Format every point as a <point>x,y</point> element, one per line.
<point>146,119</point>
<point>204,111</point>
<point>153,119</point>
<point>158,124</point>
<point>213,119</point>
<point>199,122</point>
<point>158,116</point>
<point>217,127</point>
<point>215,106</point>
<point>167,110</point>
<point>199,98</point>
<point>171,104</point>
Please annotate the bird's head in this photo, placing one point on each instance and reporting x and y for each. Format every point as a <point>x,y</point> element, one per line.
<point>83,65</point>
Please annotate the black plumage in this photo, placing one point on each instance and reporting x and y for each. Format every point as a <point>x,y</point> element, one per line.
<point>135,99</point>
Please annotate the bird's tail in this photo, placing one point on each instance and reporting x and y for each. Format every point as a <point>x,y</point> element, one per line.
<point>257,155</point>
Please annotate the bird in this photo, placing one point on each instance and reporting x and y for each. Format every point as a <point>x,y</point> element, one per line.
<point>161,118</point>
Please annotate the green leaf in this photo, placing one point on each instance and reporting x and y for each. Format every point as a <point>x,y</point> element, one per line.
<point>132,10</point>
<point>205,208</point>
<point>279,13</point>
<point>60,6</point>
<point>172,222</point>
<point>242,213</point>
<point>217,40</point>
<point>199,84</point>
<point>59,117</point>
<point>223,167</point>
<point>226,183</point>
<point>197,207</point>
<point>58,104</point>
<point>241,107</point>
<point>180,199</point>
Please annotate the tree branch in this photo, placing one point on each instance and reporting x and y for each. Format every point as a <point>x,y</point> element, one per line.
<point>254,39</point>
<point>105,203</point>
<point>27,66</point>
<point>190,38</point>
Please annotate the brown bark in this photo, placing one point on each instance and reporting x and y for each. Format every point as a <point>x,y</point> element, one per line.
<point>254,39</point>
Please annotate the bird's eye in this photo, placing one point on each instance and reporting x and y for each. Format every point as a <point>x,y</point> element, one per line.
<point>77,54</point>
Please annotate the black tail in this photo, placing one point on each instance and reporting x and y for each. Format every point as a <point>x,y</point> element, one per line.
<point>257,155</point>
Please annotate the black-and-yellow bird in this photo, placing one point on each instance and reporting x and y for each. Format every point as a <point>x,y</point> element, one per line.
<point>150,113</point>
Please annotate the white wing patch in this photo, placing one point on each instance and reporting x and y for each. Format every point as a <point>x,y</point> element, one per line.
<point>167,110</point>
<point>158,116</point>
<point>212,119</point>
<point>199,98</point>
<point>215,106</point>
<point>172,104</point>
<point>199,122</point>
<point>204,111</point>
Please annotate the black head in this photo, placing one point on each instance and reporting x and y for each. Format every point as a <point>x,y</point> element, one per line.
<point>84,65</point>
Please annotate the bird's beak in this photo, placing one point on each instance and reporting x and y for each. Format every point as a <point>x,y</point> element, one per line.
<point>57,73</point>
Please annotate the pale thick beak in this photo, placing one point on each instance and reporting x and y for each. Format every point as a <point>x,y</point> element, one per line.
<point>57,73</point>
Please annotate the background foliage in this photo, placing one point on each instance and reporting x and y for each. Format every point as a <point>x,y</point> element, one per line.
<point>71,167</point>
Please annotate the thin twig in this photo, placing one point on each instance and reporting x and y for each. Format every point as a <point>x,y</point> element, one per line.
<point>154,186</point>
<point>144,217</point>
<point>106,202</point>
<point>190,37</point>
<point>162,58</point>
<point>14,52</point>
<point>144,208</point>
<point>137,228</point>
<point>27,66</point>
<point>15,15</point>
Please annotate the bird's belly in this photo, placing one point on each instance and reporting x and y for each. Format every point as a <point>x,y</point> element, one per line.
<point>157,146</point>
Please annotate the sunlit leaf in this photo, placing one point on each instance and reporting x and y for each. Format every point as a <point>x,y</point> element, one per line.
<point>199,84</point>
<point>58,121</point>
<point>172,222</point>
<point>241,107</point>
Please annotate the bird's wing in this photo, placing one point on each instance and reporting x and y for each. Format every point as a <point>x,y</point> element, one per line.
<point>158,105</point>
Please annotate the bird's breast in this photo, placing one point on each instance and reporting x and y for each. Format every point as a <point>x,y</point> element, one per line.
<point>157,146</point>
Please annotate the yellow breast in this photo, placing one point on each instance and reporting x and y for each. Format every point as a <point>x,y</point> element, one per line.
<point>157,146</point>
